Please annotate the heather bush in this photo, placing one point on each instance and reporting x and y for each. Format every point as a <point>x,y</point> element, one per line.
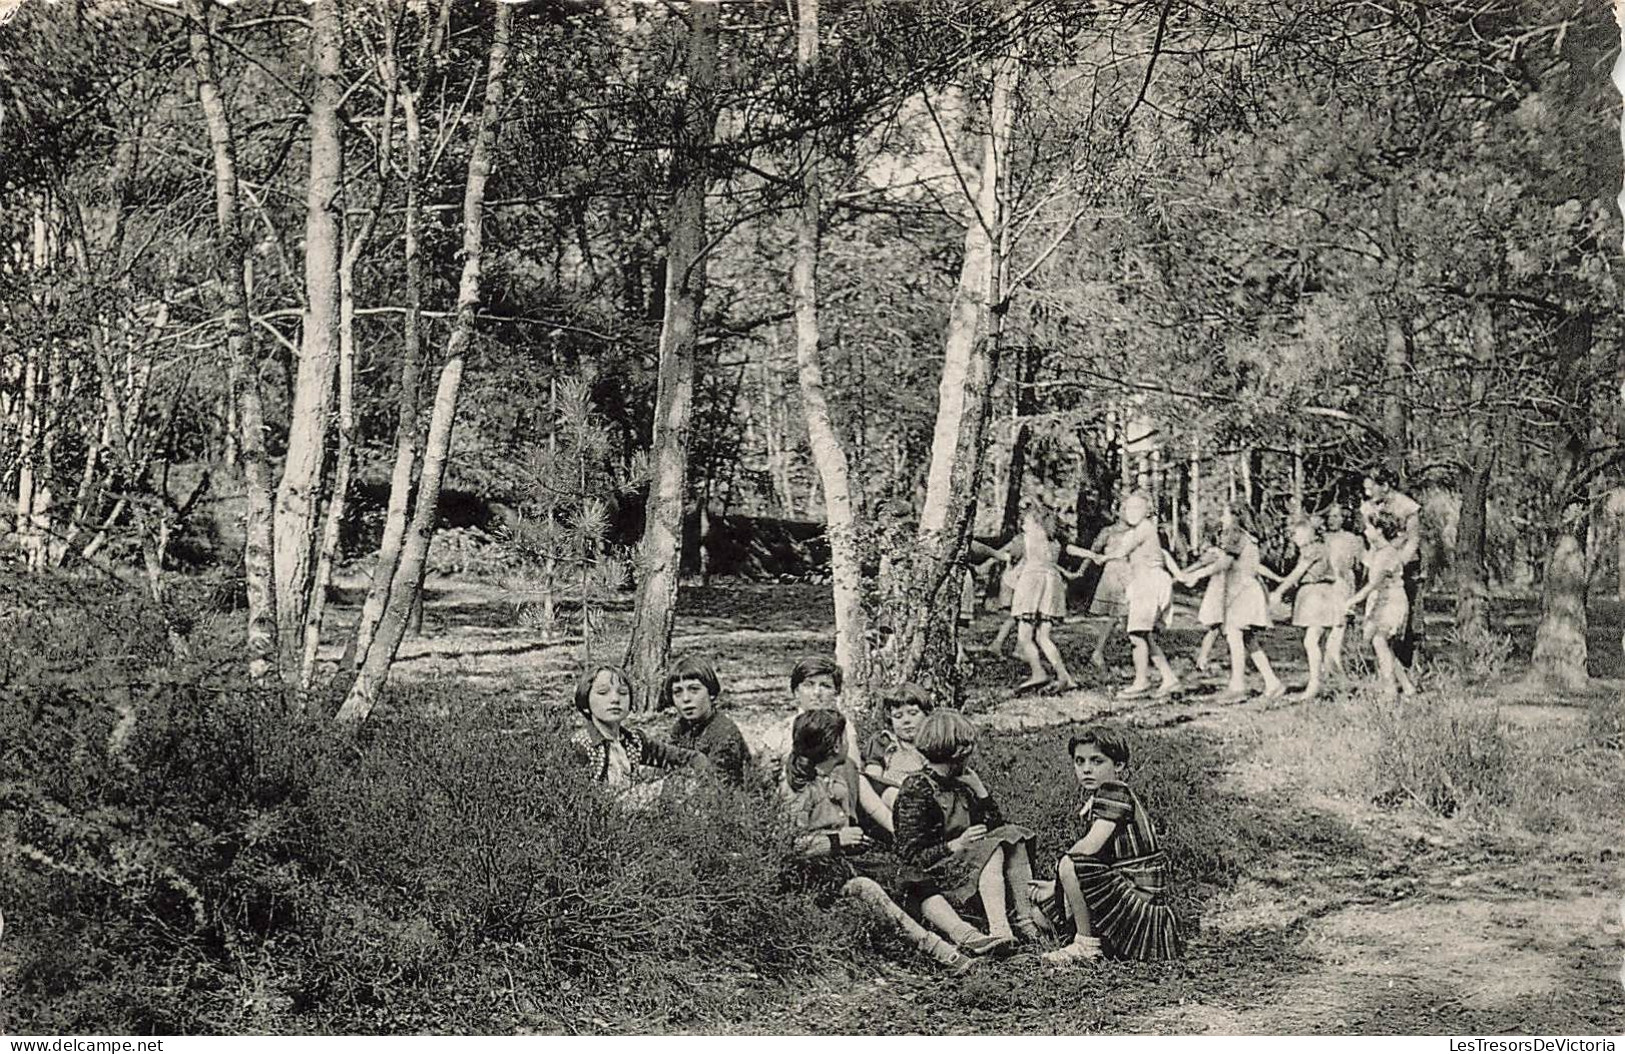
<point>233,863</point>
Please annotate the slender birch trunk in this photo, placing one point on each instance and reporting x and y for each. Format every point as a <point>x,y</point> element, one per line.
<point>922,614</point>
<point>376,661</point>
<point>660,554</point>
<point>333,524</point>
<point>828,452</point>
<point>1472,595</point>
<point>1396,378</point>
<point>407,407</point>
<point>230,271</point>
<point>298,494</point>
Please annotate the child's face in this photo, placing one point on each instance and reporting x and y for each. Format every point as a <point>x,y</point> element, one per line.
<point>692,699</point>
<point>609,698</point>
<point>1302,537</point>
<point>816,692</point>
<point>1134,511</point>
<point>906,721</point>
<point>1092,767</point>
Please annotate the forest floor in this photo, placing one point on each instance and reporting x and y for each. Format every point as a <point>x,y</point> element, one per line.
<point>1353,916</point>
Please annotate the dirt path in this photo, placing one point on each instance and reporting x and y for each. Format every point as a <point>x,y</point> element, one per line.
<point>1376,922</point>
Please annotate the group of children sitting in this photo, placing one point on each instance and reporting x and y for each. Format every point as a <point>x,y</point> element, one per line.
<point>1136,591</point>
<point>906,825</point>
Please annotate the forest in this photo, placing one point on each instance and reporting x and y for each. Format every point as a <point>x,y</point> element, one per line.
<point>369,368</point>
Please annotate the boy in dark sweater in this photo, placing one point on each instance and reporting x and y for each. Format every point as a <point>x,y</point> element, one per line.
<point>692,688</point>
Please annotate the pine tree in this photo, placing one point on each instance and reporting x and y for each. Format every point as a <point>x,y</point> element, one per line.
<point>560,542</point>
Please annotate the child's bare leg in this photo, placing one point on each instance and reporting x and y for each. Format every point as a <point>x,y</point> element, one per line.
<point>1261,662</point>
<point>1311,651</point>
<point>1165,670</point>
<point>1238,659</point>
<point>997,647</point>
<point>941,914</point>
<point>1204,654</point>
<point>1018,876</point>
<point>1084,944</point>
<point>990,884</point>
<point>1334,648</point>
<point>1401,674</point>
<point>1097,655</point>
<point>889,796</point>
<point>1063,675</point>
<point>1385,662</point>
<point>1029,653</point>
<point>1142,662</point>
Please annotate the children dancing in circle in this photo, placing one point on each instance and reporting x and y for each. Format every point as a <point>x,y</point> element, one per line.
<point>1038,602</point>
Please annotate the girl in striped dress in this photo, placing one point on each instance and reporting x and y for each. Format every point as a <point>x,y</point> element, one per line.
<point>1319,604</point>
<point>1113,883</point>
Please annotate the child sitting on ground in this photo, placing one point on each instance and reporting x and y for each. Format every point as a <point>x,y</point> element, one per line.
<point>615,755</point>
<point>815,684</point>
<point>955,845</point>
<point>692,688</point>
<point>1113,881</point>
<point>827,799</point>
<point>891,755</point>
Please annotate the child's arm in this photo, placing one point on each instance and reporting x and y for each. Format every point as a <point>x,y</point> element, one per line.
<point>1376,579</point>
<point>1095,839</point>
<point>874,807</point>
<point>666,756</point>
<point>1087,554</point>
<point>1265,572</point>
<point>1292,579</point>
<point>984,809</point>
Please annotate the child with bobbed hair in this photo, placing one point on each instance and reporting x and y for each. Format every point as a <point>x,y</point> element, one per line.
<point>890,755</point>
<point>692,688</point>
<point>612,753</point>
<point>956,846</point>
<point>1113,881</point>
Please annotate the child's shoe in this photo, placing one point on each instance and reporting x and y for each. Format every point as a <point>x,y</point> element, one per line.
<point>946,953</point>
<point>1080,950</point>
<point>984,944</point>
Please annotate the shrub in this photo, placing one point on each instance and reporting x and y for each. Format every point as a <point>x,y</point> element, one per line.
<point>1476,654</point>
<point>236,865</point>
<point>1443,753</point>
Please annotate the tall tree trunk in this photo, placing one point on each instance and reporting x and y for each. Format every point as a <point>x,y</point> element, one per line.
<point>1196,494</point>
<point>1396,380</point>
<point>298,494</point>
<point>230,263</point>
<point>828,452</point>
<point>660,554</point>
<point>1026,402</point>
<point>922,610</point>
<point>1472,594</point>
<point>1560,651</point>
<point>406,397</point>
<point>407,585</point>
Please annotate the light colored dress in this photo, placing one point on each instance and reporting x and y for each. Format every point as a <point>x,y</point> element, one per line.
<point>1040,594</point>
<point>1318,602</point>
<point>1386,607</point>
<point>1343,551</point>
<point>1111,592</point>
<point>1150,587</point>
<point>1246,605</point>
